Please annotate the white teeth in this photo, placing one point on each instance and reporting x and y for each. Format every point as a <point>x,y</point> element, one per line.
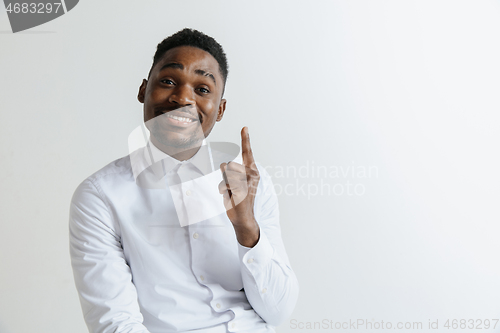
<point>182,119</point>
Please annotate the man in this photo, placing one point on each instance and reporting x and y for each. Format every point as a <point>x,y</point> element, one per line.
<point>163,241</point>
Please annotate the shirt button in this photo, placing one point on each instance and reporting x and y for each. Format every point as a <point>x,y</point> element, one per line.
<point>264,290</point>
<point>233,325</point>
<point>202,278</point>
<point>250,260</point>
<point>217,305</point>
<point>188,193</point>
<point>195,235</point>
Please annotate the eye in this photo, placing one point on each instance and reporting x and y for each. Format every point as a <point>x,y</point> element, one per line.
<point>204,90</point>
<point>167,81</point>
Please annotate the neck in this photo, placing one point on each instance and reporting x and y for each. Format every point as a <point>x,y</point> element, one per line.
<point>180,154</point>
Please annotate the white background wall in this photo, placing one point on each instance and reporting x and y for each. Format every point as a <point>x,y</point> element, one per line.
<point>409,88</point>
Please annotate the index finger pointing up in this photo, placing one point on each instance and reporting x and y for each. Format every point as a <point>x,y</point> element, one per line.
<point>246,149</point>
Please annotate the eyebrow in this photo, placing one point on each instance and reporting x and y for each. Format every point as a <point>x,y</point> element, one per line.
<point>172,65</point>
<point>181,67</point>
<point>202,72</point>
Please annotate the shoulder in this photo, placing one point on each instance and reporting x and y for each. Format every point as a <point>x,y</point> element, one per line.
<point>265,189</point>
<point>265,178</point>
<point>118,171</point>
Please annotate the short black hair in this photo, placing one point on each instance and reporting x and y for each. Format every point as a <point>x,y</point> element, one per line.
<point>195,38</point>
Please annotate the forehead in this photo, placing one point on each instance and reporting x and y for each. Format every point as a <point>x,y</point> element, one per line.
<point>191,58</point>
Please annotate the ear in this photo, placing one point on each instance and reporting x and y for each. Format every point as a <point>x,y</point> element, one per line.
<point>222,108</point>
<point>142,91</point>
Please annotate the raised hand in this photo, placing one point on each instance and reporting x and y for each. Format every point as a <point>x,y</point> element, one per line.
<point>239,188</point>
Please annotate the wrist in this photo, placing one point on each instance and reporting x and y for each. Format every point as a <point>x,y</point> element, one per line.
<point>247,233</point>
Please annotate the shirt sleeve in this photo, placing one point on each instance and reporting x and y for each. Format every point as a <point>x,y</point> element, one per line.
<point>102,276</point>
<point>269,281</point>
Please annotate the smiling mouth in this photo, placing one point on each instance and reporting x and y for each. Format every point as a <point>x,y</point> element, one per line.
<point>180,119</point>
<point>184,115</point>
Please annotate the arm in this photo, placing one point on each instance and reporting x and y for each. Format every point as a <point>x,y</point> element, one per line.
<point>269,281</point>
<point>252,207</point>
<point>102,275</point>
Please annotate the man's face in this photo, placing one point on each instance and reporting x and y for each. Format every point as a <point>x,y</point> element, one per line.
<point>183,98</point>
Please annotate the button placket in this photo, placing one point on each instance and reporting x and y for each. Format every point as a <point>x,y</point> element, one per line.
<point>195,244</point>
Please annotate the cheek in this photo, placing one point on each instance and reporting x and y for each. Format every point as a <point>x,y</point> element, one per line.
<point>209,105</point>
<point>156,94</point>
<point>211,110</point>
<point>214,111</point>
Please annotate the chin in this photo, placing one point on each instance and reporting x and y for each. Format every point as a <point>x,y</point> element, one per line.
<point>174,137</point>
<point>176,140</point>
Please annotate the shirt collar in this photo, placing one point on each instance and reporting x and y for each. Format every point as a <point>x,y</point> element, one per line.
<point>206,160</point>
<point>162,163</point>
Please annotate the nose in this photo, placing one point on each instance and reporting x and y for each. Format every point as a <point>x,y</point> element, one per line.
<point>182,95</point>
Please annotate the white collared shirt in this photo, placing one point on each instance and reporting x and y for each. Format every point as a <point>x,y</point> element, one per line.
<point>151,251</point>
